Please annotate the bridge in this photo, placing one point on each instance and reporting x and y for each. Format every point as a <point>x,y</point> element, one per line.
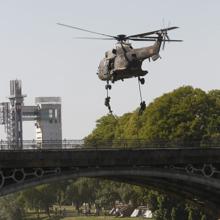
<point>191,173</point>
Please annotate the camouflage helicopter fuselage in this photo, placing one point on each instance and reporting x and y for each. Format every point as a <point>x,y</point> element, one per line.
<point>126,62</point>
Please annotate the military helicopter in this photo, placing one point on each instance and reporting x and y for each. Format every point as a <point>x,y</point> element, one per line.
<point>124,61</point>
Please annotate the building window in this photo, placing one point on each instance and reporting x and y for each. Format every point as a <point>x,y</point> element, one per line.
<point>56,115</point>
<point>50,115</point>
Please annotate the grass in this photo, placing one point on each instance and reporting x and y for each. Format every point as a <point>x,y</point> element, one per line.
<point>99,218</point>
<point>70,211</point>
<point>44,217</point>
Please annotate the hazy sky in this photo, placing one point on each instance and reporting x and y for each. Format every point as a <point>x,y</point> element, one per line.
<point>51,63</point>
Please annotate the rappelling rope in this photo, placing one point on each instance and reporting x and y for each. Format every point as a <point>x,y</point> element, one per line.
<point>142,104</point>
<point>107,102</point>
<point>139,86</point>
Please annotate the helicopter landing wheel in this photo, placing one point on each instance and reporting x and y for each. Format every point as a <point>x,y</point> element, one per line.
<point>142,81</point>
<point>108,86</point>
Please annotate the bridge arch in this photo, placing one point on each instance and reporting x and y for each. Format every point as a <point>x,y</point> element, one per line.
<point>182,184</point>
<point>193,173</point>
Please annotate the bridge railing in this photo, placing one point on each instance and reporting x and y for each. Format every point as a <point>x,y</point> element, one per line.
<point>96,143</point>
<point>144,143</point>
<point>46,144</point>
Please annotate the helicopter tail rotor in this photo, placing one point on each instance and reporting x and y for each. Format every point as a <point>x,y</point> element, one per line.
<point>165,37</point>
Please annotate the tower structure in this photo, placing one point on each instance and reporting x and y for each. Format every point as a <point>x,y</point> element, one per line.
<point>15,130</point>
<point>5,117</point>
<point>49,123</point>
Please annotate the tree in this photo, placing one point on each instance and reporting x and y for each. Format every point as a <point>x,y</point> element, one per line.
<point>82,190</point>
<point>212,136</point>
<point>104,133</point>
<point>107,194</point>
<point>41,197</point>
<point>11,208</point>
<point>59,189</point>
<point>31,198</point>
<point>185,117</point>
<point>181,117</point>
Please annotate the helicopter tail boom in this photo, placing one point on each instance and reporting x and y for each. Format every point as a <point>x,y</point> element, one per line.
<point>147,52</point>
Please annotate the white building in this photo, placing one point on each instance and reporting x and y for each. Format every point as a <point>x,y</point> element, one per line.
<point>49,122</point>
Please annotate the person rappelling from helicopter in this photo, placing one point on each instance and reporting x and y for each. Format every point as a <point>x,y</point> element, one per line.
<point>124,61</point>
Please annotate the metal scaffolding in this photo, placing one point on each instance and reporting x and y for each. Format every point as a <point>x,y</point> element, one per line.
<point>15,131</point>
<point>46,114</point>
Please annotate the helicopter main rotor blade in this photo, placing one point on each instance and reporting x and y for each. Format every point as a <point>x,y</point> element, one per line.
<point>94,38</point>
<point>173,40</point>
<point>149,37</point>
<point>153,39</point>
<point>81,29</point>
<point>141,39</point>
<point>152,32</point>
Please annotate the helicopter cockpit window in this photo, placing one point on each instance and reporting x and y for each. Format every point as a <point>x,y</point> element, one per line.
<point>114,51</point>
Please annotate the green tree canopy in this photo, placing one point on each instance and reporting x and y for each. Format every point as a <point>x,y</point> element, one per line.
<point>185,116</point>
<point>11,208</point>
